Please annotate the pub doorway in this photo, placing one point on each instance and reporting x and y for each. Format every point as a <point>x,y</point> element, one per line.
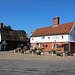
<point>66,47</point>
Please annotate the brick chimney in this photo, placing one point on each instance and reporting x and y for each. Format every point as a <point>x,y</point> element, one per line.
<point>1,25</point>
<point>55,21</point>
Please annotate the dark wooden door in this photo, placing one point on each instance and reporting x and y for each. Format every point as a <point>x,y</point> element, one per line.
<point>73,47</point>
<point>66,47</point>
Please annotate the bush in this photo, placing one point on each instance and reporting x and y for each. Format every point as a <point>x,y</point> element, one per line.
<point>52,51</point>
<point>68,53</point>
<point>31,51</point>
<point>34,50</point>
<point>58,54</point>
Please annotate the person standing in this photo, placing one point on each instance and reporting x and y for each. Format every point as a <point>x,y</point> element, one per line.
<point>3,46</point>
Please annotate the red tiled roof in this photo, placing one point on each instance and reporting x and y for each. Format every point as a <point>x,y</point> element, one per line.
<point>51,30</point>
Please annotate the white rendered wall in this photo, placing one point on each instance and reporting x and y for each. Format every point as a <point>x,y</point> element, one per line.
<point>53,38</point>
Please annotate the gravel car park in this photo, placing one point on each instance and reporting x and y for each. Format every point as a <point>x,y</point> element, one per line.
<point>28,64</point>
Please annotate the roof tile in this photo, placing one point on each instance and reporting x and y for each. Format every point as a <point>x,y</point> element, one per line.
<point>53,30</point>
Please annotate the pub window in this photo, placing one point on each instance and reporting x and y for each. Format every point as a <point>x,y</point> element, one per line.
<point>42,45</point>
<point>58,46</point>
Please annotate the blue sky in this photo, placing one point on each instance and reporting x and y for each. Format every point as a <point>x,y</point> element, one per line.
<point>25,14</point>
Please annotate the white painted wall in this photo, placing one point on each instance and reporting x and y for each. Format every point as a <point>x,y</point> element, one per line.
<point>53,38</point>
<point>58,38</point>
<point>72,33</point>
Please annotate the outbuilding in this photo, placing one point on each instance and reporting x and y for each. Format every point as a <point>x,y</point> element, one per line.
<point>10,39</point>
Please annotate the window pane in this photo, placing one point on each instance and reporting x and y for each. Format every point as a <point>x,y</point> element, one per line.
<point>42,45</point>
<point>58,46</point>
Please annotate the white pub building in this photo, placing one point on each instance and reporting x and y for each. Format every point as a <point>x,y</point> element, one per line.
<point>57,37</point>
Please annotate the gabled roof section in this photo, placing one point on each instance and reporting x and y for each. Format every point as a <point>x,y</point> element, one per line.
<point>14,35</point>
<point>54,30</point>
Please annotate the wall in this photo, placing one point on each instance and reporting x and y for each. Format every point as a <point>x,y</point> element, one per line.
<point>11,45</point>
<point>72,47</point>
<point>72,33</point>
<point>51,38</point>
<point>49,46</point>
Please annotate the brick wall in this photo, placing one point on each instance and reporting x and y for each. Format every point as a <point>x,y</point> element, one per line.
<point>49,46</point>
